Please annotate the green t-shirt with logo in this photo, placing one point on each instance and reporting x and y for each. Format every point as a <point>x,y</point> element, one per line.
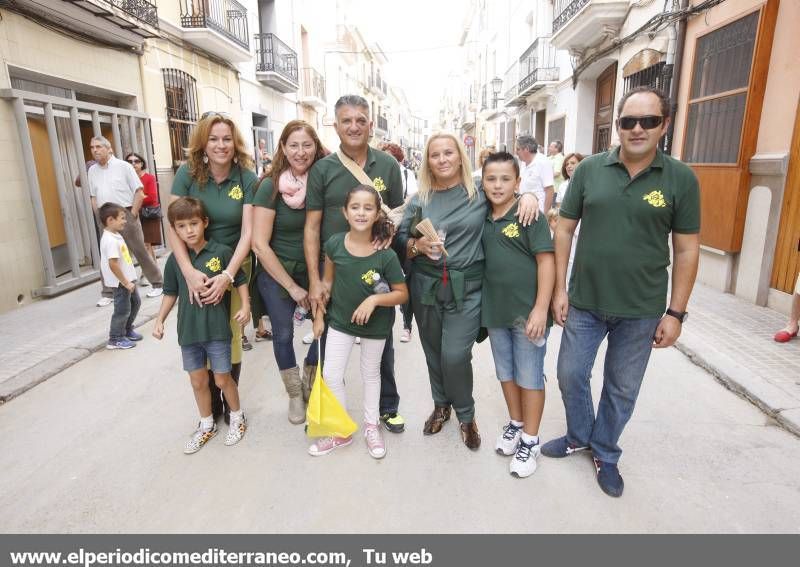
<point>208,322</point>
<point>510,277</point>
<point>287,229</point>
<point>224,202</point>
<point>353,282</point>
<point>622,254</point>
<point>329,182</point>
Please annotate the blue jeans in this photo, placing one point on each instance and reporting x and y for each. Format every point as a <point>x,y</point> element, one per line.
<point>217,354</point>
<point>126,307</point>
<point>517,358</point>
<point>280,307</point>
<point>629,347</point>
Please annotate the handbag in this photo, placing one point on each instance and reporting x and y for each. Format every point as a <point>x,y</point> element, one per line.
<point>150,212</point>
<point>325,415</point>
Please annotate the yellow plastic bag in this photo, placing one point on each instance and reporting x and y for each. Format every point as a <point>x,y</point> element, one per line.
<point>325,415</point>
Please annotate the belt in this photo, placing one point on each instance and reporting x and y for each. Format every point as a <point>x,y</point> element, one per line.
<point>435,281</point>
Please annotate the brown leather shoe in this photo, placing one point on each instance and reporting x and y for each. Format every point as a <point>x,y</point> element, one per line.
<point>470,435</point>
<point>435,422</point>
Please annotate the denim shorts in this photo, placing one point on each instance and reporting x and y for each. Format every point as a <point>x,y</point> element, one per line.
<point>217,353</point>
<point>517,358</point>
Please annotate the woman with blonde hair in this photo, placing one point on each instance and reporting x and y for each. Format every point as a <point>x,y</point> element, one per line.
<point>278,222</point>
<point>219,172</point>
<point>446,286</point>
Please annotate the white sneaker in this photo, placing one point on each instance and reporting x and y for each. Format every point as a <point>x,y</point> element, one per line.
<point>508,440</point>
<point>358,340</point>
<point>155,292</point>
<point>405,336</point>
<point>308,339</point>
<point>236,431</point>
<point>103,301</point>
<point>524,462</point>
<point>199,438</point>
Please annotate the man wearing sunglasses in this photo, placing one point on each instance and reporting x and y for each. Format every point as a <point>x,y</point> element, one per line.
<point>628,201</point>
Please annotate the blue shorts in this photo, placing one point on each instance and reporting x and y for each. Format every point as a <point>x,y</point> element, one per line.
<point>517,358</point>
<point>217,353</point>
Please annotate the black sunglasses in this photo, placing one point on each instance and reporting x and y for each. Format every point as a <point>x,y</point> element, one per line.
<point>134,160</point>
<point>647,122</point>
<point>214,113</point>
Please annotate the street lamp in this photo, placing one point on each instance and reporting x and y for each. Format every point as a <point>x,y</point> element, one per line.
<point>497,84</point>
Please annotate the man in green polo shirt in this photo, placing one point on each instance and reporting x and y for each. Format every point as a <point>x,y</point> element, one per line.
<point>328,184</point>
<point>628,201</point>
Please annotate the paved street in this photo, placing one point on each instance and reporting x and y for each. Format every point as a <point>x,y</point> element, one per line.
<point>98,448</point>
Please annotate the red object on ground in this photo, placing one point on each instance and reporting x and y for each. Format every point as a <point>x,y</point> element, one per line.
<point>784,336</point>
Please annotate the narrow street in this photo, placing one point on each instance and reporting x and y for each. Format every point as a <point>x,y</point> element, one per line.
<point>98,448</point>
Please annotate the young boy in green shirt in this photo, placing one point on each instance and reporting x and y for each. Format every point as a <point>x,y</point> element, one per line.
<point>204,331</point>
<point>517,287</point>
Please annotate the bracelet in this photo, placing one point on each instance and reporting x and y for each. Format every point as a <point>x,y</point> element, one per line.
<point>227,273</point>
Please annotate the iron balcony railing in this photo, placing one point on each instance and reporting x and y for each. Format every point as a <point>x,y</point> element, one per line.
<point>511,82</point>
<point>142,10</point>
<point>537,64</point>
<point>274,55</point>
<point>313,84</point>
<point>563,10</point>
<point>227,17</point>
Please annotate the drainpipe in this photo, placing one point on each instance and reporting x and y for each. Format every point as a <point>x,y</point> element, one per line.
<point>676,73</point>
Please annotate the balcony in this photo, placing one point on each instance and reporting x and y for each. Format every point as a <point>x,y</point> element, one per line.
<point>276,63</point>
<point>377,86</point>
<point>537,67</point>
<point>120,22</point>
<point>313,91</point>
<point>511,83</point>
<point>381,127</point>
<point>218,26</point>
<point>580,24</point>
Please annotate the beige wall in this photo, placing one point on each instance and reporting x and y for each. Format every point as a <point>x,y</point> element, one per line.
<point>26,45</point>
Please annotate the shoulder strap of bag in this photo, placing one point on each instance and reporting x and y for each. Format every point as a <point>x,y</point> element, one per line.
<point>361,176</point>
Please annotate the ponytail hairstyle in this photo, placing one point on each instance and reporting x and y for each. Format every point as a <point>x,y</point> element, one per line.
<point>382,229</point>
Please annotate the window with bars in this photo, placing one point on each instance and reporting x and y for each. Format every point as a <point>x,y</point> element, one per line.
<point>555,130</point>
<point>655,76</point>
<point>183,112</point>
<point>720,81</point>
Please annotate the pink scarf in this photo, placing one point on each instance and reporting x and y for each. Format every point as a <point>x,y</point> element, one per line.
<point>293,189</point>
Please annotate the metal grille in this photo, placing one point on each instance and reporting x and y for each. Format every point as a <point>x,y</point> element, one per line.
<point>723,58</point>
<point>563,10</point>
<point>227,17</point>
<point>555,130</point>
<point>537,64</point>
<point>142,10</point>
<point>313,83</point>
<point>182,110</point>
<point>720,80</point>
<point>275,56</point>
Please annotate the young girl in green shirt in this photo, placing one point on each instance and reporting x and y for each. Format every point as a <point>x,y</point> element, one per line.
<point>365,284</point>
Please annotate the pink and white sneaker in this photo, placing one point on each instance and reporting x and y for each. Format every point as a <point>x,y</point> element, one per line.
<point>325,445</point>
<point>374,439</point>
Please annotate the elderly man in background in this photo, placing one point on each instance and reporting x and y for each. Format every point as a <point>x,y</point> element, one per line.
<point>536,172</point>
<point>112,180</point>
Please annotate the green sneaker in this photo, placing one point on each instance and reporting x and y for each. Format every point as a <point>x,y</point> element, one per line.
<point>393,422</point>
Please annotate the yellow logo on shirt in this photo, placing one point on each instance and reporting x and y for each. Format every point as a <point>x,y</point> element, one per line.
<point>370,277</point>
<point>512,230</point>
<point>655,198</point>
<point>126,255</point>
<point>236,193</point>
<point>214,264</point>
<point>379,184</point>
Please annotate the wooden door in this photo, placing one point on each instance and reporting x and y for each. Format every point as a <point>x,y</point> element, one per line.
<point>46,173</point>
<point>787,250</point>
<point>604,109</point>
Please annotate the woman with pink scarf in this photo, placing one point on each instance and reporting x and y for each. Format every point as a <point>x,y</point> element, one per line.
<point>278,222</point>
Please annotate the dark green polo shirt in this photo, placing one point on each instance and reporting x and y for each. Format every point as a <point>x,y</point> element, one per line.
<point>211,322</point>
<point>224,202</point>
<point>352,284</point>
<point>510,278</point>
<point>621,258</point>
<point>287,229</point>
<point>329,182</point>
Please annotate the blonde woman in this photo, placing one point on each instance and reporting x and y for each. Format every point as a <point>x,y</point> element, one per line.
<point>219,172</point>
<point>446,289</point>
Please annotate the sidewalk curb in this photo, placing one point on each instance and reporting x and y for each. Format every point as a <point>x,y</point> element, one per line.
<point>740,381</point>
<point>46,369</point>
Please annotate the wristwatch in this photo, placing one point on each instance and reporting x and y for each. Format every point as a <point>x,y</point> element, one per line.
<point>681,316</point>
<point>414,249</point>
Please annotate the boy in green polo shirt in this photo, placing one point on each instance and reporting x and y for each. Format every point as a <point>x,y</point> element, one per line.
<point>204,331</point>
<point>517,287</point>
